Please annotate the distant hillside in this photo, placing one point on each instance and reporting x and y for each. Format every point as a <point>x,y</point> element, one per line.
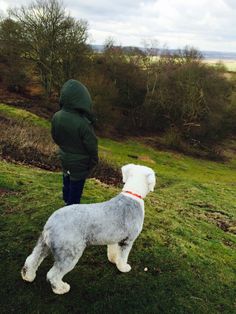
<point>218,55</point>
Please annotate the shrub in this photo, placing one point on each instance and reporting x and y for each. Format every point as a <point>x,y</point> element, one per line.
<point>28,144</point>
<point>107,172</point>
<point>32,145</point>
<point>188,96</point>
<point>122,68</point>
<point>14,67</point>
<point>104,95</point>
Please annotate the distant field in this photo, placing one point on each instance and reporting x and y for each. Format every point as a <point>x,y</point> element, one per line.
<point>229,64</point>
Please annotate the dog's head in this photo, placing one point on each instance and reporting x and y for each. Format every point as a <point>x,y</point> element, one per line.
<point>139,177</point>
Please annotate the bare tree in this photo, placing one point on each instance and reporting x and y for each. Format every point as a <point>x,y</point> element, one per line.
<point>50,35</point>
<point>13,67</point>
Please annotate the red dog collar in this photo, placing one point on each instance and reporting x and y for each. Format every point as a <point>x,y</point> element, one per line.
<point>129,192</point>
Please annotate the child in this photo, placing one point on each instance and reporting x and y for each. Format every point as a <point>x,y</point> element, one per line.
<point>73,132</point>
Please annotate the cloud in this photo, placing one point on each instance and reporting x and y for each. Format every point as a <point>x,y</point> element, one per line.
<point>6,4</point>
<point>205,24</point>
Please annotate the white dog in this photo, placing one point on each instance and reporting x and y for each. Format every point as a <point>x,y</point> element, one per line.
<point>115,223</point>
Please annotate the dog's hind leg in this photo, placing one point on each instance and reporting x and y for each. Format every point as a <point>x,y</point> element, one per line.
<point>112,252</point>
<point>65,261</point>
<point>124,248</point>
<point>41,250</point>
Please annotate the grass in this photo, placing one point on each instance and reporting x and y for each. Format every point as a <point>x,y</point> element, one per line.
<point>188,241</point>
<point>23,115</point>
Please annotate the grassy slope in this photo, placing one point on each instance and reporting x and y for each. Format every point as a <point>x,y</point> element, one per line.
<point>191,261</point>
<point>22,114</point>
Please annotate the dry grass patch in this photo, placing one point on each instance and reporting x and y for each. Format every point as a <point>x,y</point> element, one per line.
<point>22,142</point>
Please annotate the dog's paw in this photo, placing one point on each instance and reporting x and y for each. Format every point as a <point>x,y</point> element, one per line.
<point>124,268</point>
<point>62,288</point>
<point>27,275</point>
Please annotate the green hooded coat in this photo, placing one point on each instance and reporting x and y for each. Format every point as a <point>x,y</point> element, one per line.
<point>73,132</point>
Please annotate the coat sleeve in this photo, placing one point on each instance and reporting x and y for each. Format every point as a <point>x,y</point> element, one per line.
<point>91,144</point>
<point>53,130</point>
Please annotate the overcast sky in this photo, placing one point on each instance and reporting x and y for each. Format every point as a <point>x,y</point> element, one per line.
<point>204,24</point>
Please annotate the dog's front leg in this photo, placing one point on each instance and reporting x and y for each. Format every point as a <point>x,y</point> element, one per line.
<point>123,250</point>
<point>112,252</point>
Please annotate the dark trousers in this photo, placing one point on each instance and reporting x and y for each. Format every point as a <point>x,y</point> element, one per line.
<point>72,190</point>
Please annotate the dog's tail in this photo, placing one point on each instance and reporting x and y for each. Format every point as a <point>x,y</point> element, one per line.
<point>33,261</point>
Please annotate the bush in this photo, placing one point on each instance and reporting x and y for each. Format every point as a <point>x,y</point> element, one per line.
<point>32,145</point>
<point>28,144</point>
<point>104,95</point>
<point>188,96</point>
<point>174,140</point>
<point>107,172</point>
<point>14,66</point>
<point>122,69</point>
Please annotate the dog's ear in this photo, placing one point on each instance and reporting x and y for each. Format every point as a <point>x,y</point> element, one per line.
<point>126,171</point>
<point>151,180</point>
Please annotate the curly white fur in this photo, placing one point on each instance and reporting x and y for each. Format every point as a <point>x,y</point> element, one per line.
<point>115,223</point>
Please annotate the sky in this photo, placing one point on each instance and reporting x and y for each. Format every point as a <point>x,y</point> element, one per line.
<point>203,24</point>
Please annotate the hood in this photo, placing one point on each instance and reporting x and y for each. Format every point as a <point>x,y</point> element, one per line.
<point>74,95</point>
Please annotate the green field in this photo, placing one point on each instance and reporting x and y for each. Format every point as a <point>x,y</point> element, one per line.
<point>229,64</point>
<point>187,244</point>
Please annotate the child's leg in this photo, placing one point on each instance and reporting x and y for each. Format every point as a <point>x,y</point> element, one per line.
<point>66,187</point>
<point>76,190</point>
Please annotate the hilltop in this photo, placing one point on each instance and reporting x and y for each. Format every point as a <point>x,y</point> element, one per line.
<point>187,244</point>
